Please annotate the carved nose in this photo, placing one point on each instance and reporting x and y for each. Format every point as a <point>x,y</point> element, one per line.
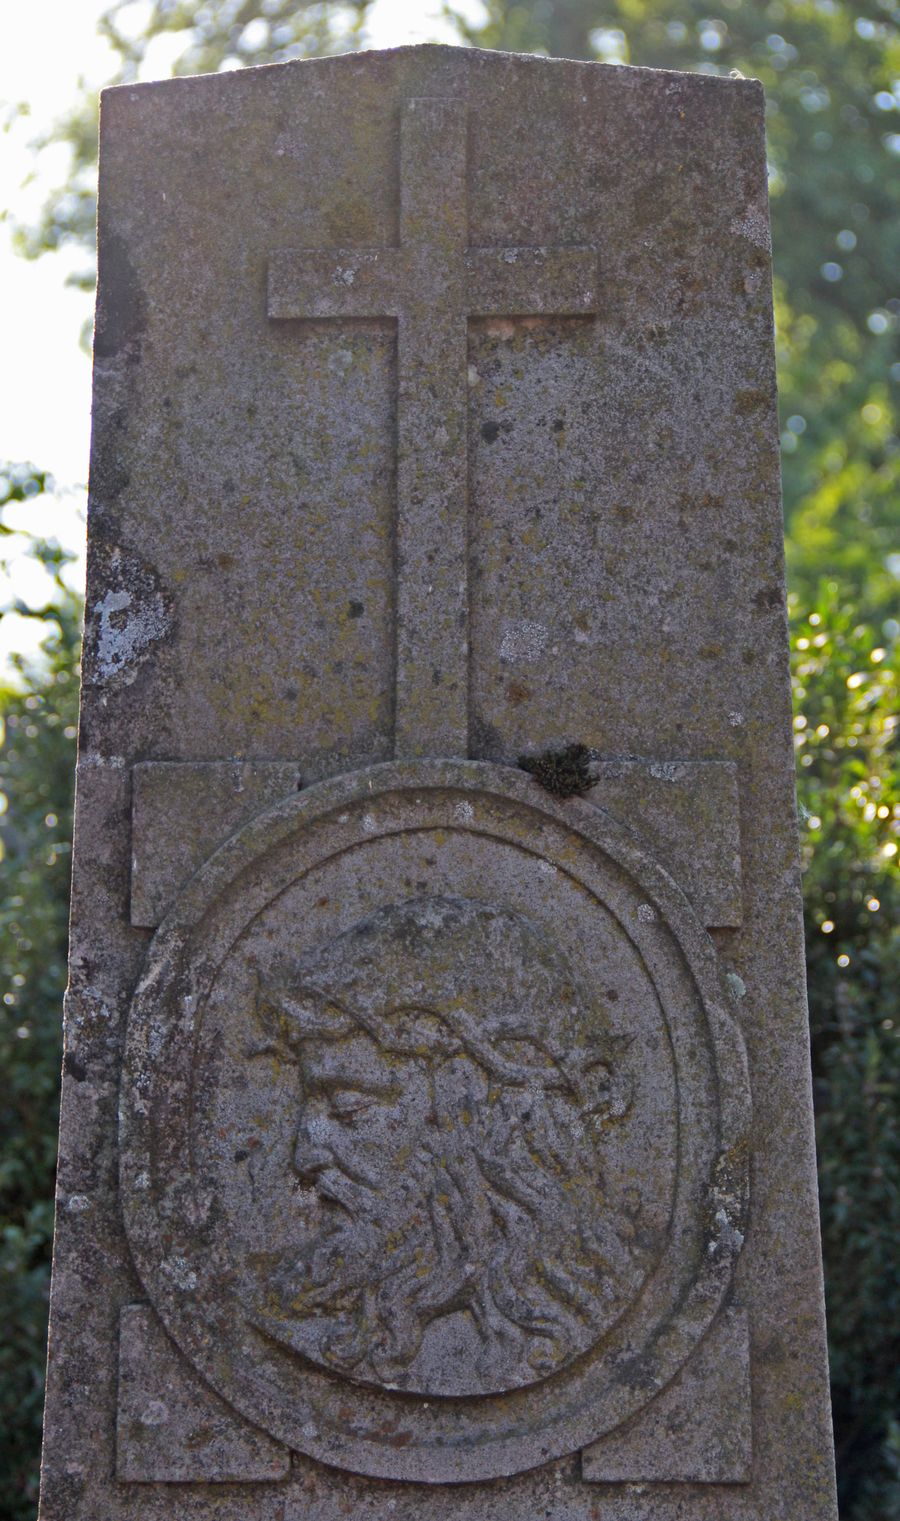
<point>309,1159</point>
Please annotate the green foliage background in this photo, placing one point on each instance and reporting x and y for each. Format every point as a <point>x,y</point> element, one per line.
<point>832,76</point>
<point>37,759</point>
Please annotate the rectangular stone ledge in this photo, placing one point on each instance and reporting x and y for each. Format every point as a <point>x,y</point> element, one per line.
<point>181,811</point>
<point>170,1427</point>
<point>698,1429</point>
<point>686,811</point>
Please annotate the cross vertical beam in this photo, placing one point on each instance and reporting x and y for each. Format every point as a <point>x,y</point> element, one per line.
<point>432,694</point>
<point>430,285</point>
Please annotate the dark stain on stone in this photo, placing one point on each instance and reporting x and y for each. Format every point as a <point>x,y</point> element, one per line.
<point>564,773</point>
<point>109,476</point>
<point>749,401</point>
<point>121,303</point>
<point>767,598</point>
<point>74,1068</point>
<point>490,432</point>
<point>355,609</point>
<point>487,743</point>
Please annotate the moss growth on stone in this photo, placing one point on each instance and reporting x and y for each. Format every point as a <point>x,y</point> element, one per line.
<point>565,773</point>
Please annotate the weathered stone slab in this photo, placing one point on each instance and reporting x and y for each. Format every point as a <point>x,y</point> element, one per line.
<point>699,1430</point>
<point>690,812</point>
<point>170,1427</point>
<point>688,809</point>
<point>203,802</point>
<point>445,1121</point>
<point>522,1089</point>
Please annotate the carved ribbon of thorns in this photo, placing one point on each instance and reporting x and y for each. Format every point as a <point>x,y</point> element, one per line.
<point>287,1019</point>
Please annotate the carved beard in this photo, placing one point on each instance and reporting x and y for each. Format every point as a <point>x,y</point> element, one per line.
<point>475,1223</point>
<point>350,1295</point>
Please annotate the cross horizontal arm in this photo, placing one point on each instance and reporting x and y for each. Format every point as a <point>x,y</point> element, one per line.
<point>334,282</point>
<point>531,282</point>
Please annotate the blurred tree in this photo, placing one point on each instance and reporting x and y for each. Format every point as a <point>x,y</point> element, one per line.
<point>38,715</point>
<point>846,731</point>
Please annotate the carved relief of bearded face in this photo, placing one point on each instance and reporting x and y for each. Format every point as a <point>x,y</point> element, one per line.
<point>457,1092</point>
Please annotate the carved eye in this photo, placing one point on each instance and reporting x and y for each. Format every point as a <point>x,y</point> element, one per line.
<point>348,1107</point>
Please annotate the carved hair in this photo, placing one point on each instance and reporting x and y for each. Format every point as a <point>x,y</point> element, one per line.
<point>513,1230</point>
<point>512,1223</point>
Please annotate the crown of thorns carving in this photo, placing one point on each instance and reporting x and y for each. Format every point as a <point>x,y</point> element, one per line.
<point>307,1012</point>
<point>442,976</point>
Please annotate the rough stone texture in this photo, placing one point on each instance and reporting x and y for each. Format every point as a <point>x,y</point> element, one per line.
<point>687,810</point>
<point>171,1427</point>
<point>202,806</point>
<point>698,1430</point>
<point>451,1136</point>
<point>488,1037</point>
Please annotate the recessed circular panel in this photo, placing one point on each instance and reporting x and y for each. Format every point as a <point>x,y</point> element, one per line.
<point>432,1123</point>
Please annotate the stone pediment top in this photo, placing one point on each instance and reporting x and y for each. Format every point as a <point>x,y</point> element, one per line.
<point>462,57</point>
<point>686,811</point>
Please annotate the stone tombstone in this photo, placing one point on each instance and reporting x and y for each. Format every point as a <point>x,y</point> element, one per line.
<point>436,1135</point>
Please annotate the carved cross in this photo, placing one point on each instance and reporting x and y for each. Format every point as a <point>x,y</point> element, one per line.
<point>431,284</point>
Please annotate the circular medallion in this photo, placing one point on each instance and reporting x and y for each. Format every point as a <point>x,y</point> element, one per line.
<point>434,1123</point>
